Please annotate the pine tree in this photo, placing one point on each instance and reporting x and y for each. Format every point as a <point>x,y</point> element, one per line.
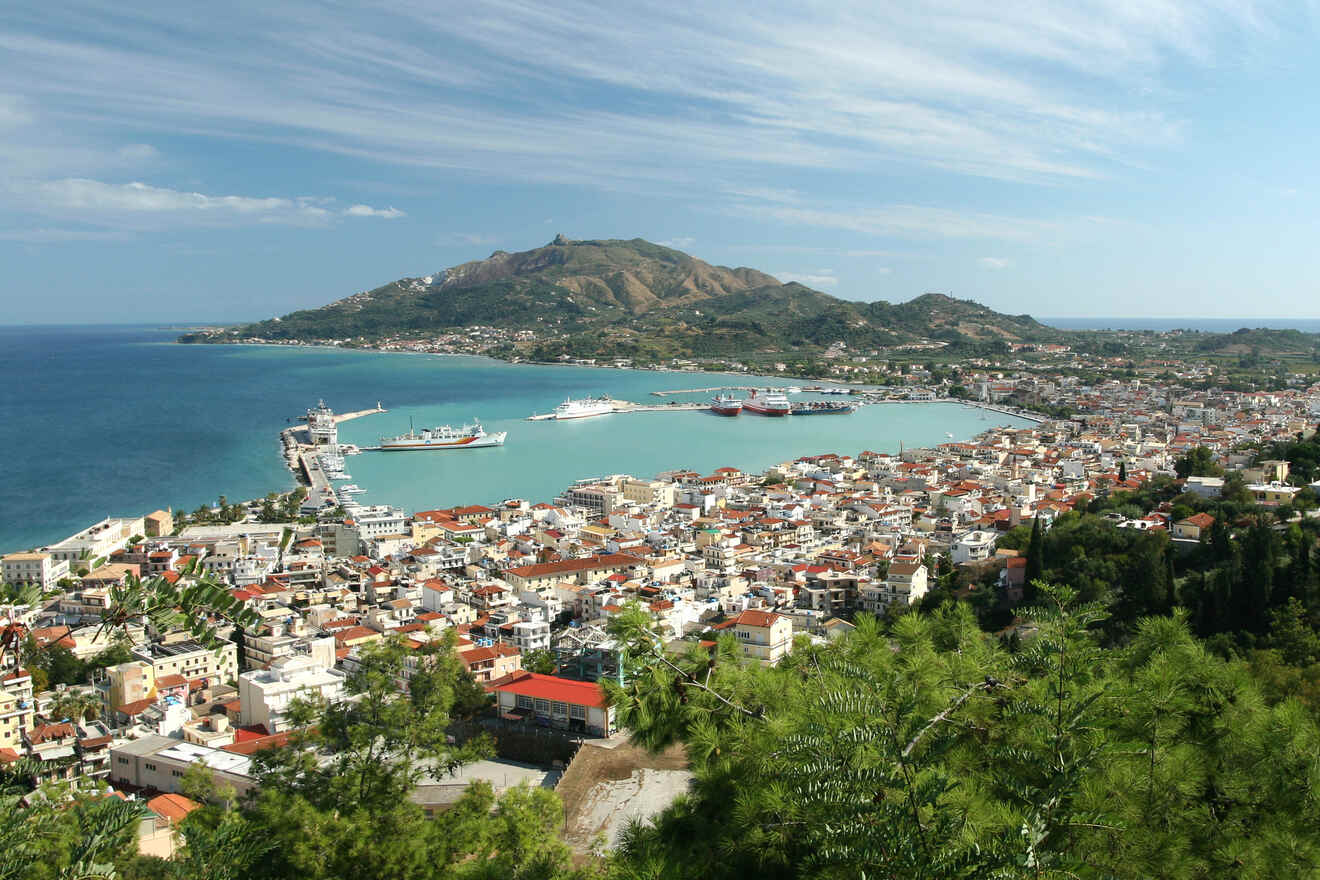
<point>1035,569</point>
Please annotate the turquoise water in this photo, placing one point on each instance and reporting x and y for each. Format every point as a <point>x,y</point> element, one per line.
<point>102,421</point>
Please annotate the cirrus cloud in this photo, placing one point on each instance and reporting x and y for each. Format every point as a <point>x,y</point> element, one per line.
<point>99,203</point>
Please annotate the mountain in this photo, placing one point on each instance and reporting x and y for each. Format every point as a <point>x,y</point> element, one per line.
<point>631,298</point>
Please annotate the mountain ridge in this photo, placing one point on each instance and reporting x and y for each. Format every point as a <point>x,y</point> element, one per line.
<point>616,296</point>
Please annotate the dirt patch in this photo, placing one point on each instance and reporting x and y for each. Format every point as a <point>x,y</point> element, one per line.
<point>603,789</point>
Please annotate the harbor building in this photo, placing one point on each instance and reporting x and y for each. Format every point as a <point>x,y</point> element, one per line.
<point>322,429</point>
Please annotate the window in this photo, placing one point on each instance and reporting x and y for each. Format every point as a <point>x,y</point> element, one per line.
<point>122,760</point>
<point>149,766</point>
<point>542,707</point>
<point>523,702</point>
<point>561,708</point>
<point>577,711</point>
<point>176,773</point>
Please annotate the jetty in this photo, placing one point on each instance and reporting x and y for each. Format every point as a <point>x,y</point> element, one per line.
<point>718,388</point>
<point>348,417</point>
<point>627,406</point>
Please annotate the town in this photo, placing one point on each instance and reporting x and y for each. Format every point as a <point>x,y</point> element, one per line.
<point>527,589</point>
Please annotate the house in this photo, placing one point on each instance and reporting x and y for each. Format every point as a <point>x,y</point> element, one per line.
<point>975,546</point>
<point>762,635</point>
<point>551,701</point>
<point>1192,528</point>
<point>906,581</point>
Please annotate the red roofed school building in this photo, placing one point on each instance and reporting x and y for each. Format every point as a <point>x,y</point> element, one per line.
<point>551,701</point>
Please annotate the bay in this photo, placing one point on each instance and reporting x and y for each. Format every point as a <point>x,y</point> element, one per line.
<point>117,420</point>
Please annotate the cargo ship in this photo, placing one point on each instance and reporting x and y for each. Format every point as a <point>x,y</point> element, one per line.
<point>471,436</point>
<point>772,403</point>
<point>726,405</point>
<point>583,409</point>
<point>823,408</point>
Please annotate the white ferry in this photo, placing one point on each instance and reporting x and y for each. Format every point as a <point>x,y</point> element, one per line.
<point>471,436</point>
<point>772,403</point>
<point>584,408</point>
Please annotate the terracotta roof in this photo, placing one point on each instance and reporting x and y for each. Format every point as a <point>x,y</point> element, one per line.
<point>172,806</point>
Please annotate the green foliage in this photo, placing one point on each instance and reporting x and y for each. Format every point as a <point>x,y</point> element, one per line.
<point>1198,462</point>
<point>541,661</point>
<point>928,751</point>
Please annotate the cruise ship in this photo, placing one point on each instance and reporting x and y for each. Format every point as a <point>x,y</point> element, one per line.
<point>772,403</point>
<point>584,408</point>
<point>471,436</point>
<point>726,405</point>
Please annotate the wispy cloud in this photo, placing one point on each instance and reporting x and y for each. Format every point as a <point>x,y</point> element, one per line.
<point>818,278</point>
<point>678,242</point>
<point>1044,94</point>
<point>368,211</point>
<point>97,202</point>
<point>994,263</point>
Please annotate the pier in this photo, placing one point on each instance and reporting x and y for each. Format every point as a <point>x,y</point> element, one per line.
<point>348,417</point>
<point>717,389</point>
<point>627,406</point>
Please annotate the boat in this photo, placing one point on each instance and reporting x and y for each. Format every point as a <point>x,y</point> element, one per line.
<point>352,489</point>
<point>773,403</point>
<point>584,408</point>
<point>471,436</point>
<point>726,405</point>
<point>824,408</point>
<point>793,389</point>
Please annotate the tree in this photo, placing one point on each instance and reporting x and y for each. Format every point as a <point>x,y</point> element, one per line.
<point>1122,472</point>
<point>541,661</point>
<point>379,743</point>
<point>76,706</point>
<point>1197,462</point>
<point>1035,569</point>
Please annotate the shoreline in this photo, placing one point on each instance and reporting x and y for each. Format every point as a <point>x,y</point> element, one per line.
<point>293,481</point>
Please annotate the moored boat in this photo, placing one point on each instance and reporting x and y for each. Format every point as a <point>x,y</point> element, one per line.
<point>823,408</point>
<point>773,403</point>
<point>726,405</point>
<point>584,408</point>
<point>471,436</point>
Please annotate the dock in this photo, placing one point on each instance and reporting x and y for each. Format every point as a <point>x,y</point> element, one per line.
<point>627,406</point>
<point>348,417</point>
<point>717,389</point>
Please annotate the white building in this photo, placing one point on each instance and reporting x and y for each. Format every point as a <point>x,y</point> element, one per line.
<point>266,694</point>
<point>40,569</point>
<point>975,546</point>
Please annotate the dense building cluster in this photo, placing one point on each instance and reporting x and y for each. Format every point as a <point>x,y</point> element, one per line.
<point>527,590</point>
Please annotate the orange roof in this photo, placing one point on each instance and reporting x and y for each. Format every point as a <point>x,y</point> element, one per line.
<point>172,806</point>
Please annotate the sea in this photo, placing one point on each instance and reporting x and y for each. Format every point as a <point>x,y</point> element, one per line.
<point>100,421</point>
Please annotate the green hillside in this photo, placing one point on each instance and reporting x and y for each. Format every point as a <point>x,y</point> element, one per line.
<point>630,298</point>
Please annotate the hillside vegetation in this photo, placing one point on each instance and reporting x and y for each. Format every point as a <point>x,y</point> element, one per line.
<point>630,298</point>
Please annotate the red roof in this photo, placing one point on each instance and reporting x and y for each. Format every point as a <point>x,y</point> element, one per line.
<point>551,687</point>
<point>172,806</point>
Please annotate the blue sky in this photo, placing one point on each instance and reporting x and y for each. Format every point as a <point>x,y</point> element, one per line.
<point>202,162</point>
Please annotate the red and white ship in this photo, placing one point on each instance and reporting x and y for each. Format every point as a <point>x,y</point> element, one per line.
<point>726,405</point>
<point>772,403</point>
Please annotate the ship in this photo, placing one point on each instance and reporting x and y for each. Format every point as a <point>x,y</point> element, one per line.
<point>772,403</point>
<point>471,436</point>
<point>726,405</point>
<point>824,408</point>
<point>584,408</point>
